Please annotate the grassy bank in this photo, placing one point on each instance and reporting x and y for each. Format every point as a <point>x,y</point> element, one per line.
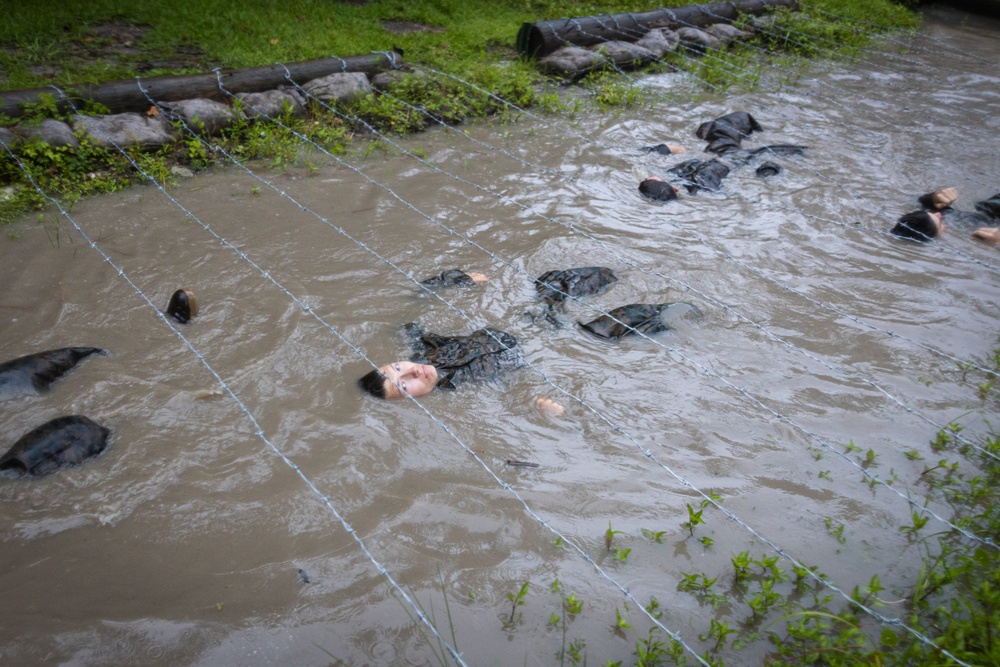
<point>50,42</point>
<point>56,42</point>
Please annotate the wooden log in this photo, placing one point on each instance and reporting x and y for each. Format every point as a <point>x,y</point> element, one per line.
<point>120,96</point>
<point>540,39</point>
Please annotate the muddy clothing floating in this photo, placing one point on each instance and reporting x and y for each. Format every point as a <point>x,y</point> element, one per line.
<point>450,278</point>
<point>545,37</point>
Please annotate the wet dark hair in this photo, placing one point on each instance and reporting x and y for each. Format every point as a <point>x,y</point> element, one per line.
<point>927,201</point>
<point>373,383</point>
<point>917,226</point>
<point>655,189</point>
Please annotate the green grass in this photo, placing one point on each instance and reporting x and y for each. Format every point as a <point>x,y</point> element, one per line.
<point>51,41</point>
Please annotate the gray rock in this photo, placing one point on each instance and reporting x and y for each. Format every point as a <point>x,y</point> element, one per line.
<point>697,40</point>
<point>625,54</point>
<point>181,172</point>
<point>51,131</point>
<point>9,138</point>
<point>389,79</point>
<point>339,87</point>
<point>571,62</point>
<point>125,129</point>
<point>660,41</point>
<point>727,33</point>
<point>213,116</point>
<point>763,23</point>
<point>272,103</point>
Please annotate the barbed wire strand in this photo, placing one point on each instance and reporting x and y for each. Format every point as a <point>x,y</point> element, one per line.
<point>266,274</point>
<point>258,429</point>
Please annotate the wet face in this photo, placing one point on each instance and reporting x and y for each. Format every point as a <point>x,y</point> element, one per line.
<point>413,379</point>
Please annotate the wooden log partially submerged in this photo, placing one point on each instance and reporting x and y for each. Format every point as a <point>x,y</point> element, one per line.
<point>126,95</point>
<point>540,39</point>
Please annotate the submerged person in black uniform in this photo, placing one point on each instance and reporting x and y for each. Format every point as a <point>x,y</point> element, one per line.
<point>455,278</point>
<point>987,212</point>
<point>446,361</point>
<point>919,226</point>
<point>443,361</point>
<point>556,286</point>
<point>930,222</point>
<point>656,188</point>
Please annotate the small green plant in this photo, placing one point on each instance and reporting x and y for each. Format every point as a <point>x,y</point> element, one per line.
<point>764,599</point>
<point>919,521</point>
<point>869,459</point>
<point>656,536</point>
<point>572,605</point>
<point>621,555</point>
<point>516,600</point>
<point>869,594</point>
<point>620,621</point>
<point>653,608</point>
<point>650,651</point>
<point>741,566</point>
<point>609,536</point>
<point>694,518</point>
<point>706,541</point>
<point>701,587</point>
<point>719,631</point>
<point>836,530</point>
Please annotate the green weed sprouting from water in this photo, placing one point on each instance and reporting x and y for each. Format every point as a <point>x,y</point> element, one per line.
<point>620,621</point>
<point>656,536</point>
<point>701,587</point>
<point>609,536</point>
<point>694,518</point>
<point>569,608</point>
<point>836,530</point>
<point>516,600</point>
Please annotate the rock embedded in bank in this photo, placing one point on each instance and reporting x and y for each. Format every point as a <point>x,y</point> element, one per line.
<point>125,129</point>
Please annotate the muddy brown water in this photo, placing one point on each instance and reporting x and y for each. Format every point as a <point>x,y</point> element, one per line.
<point>181,544</point>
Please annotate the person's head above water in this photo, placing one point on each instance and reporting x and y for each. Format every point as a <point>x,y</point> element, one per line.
<point>655,187</point>
<point>398,379</point>
<point>919,225</point>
